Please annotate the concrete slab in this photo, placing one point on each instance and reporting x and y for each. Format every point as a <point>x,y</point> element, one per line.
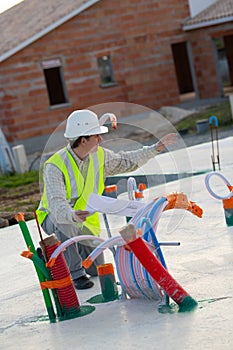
<point>202,264</point>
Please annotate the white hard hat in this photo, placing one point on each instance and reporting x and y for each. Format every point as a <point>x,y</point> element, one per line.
<point>83,122</point>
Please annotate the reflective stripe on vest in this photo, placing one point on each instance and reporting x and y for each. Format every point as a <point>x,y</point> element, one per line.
<point>77,192</point>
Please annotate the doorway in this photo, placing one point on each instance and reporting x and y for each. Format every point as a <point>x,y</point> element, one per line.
<point>183,70</point>
<point>224,48</point>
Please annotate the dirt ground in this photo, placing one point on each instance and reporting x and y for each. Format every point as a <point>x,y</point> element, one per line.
<point>12,201</point>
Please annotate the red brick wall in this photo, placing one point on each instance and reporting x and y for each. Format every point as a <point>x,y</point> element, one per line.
<point>137,34</point>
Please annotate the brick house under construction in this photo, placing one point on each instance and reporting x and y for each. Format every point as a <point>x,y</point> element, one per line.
<point>58,56</point>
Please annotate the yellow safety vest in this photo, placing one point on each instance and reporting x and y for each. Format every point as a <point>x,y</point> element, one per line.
<point>77,191</point>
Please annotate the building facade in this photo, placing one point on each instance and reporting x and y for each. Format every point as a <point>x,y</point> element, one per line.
<point>95,52</point>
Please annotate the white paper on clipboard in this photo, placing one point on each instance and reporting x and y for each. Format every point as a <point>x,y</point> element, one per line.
<point>112,206</point>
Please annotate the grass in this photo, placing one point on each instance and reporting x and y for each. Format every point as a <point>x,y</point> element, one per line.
<point>17,180</point>
<point>222,111</point>
<point>31,207</point>
<point>19,193</point>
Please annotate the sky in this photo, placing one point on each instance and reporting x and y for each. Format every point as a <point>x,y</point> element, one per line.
<point>5,4</point>
<point>198,5</point>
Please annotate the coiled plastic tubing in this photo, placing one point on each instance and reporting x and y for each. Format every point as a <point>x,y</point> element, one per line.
<point>227,183</point>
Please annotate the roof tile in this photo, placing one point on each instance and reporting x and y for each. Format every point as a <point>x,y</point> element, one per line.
<point>219,10</point>
<point>30,17</point>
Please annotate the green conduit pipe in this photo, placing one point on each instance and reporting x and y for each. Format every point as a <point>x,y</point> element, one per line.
<point>29,243</point>
<point>39,263</point>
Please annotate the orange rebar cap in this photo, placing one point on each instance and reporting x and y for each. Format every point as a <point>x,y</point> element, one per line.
<point>87,262</point>
<point>114,125</point>
<point>19,217</point>
<point>111,188</point>
<point>228,203</point>
<point>27,253</point>
<point>138,195</point>
<point>105,269</point>
<point>142,186</point>
<point>51,262</point>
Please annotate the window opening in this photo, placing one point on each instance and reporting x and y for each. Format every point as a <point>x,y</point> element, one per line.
<point>54,79</point>
<point>106,70</point>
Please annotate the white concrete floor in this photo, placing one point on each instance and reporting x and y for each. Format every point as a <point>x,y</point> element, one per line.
<point>202,264</point>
